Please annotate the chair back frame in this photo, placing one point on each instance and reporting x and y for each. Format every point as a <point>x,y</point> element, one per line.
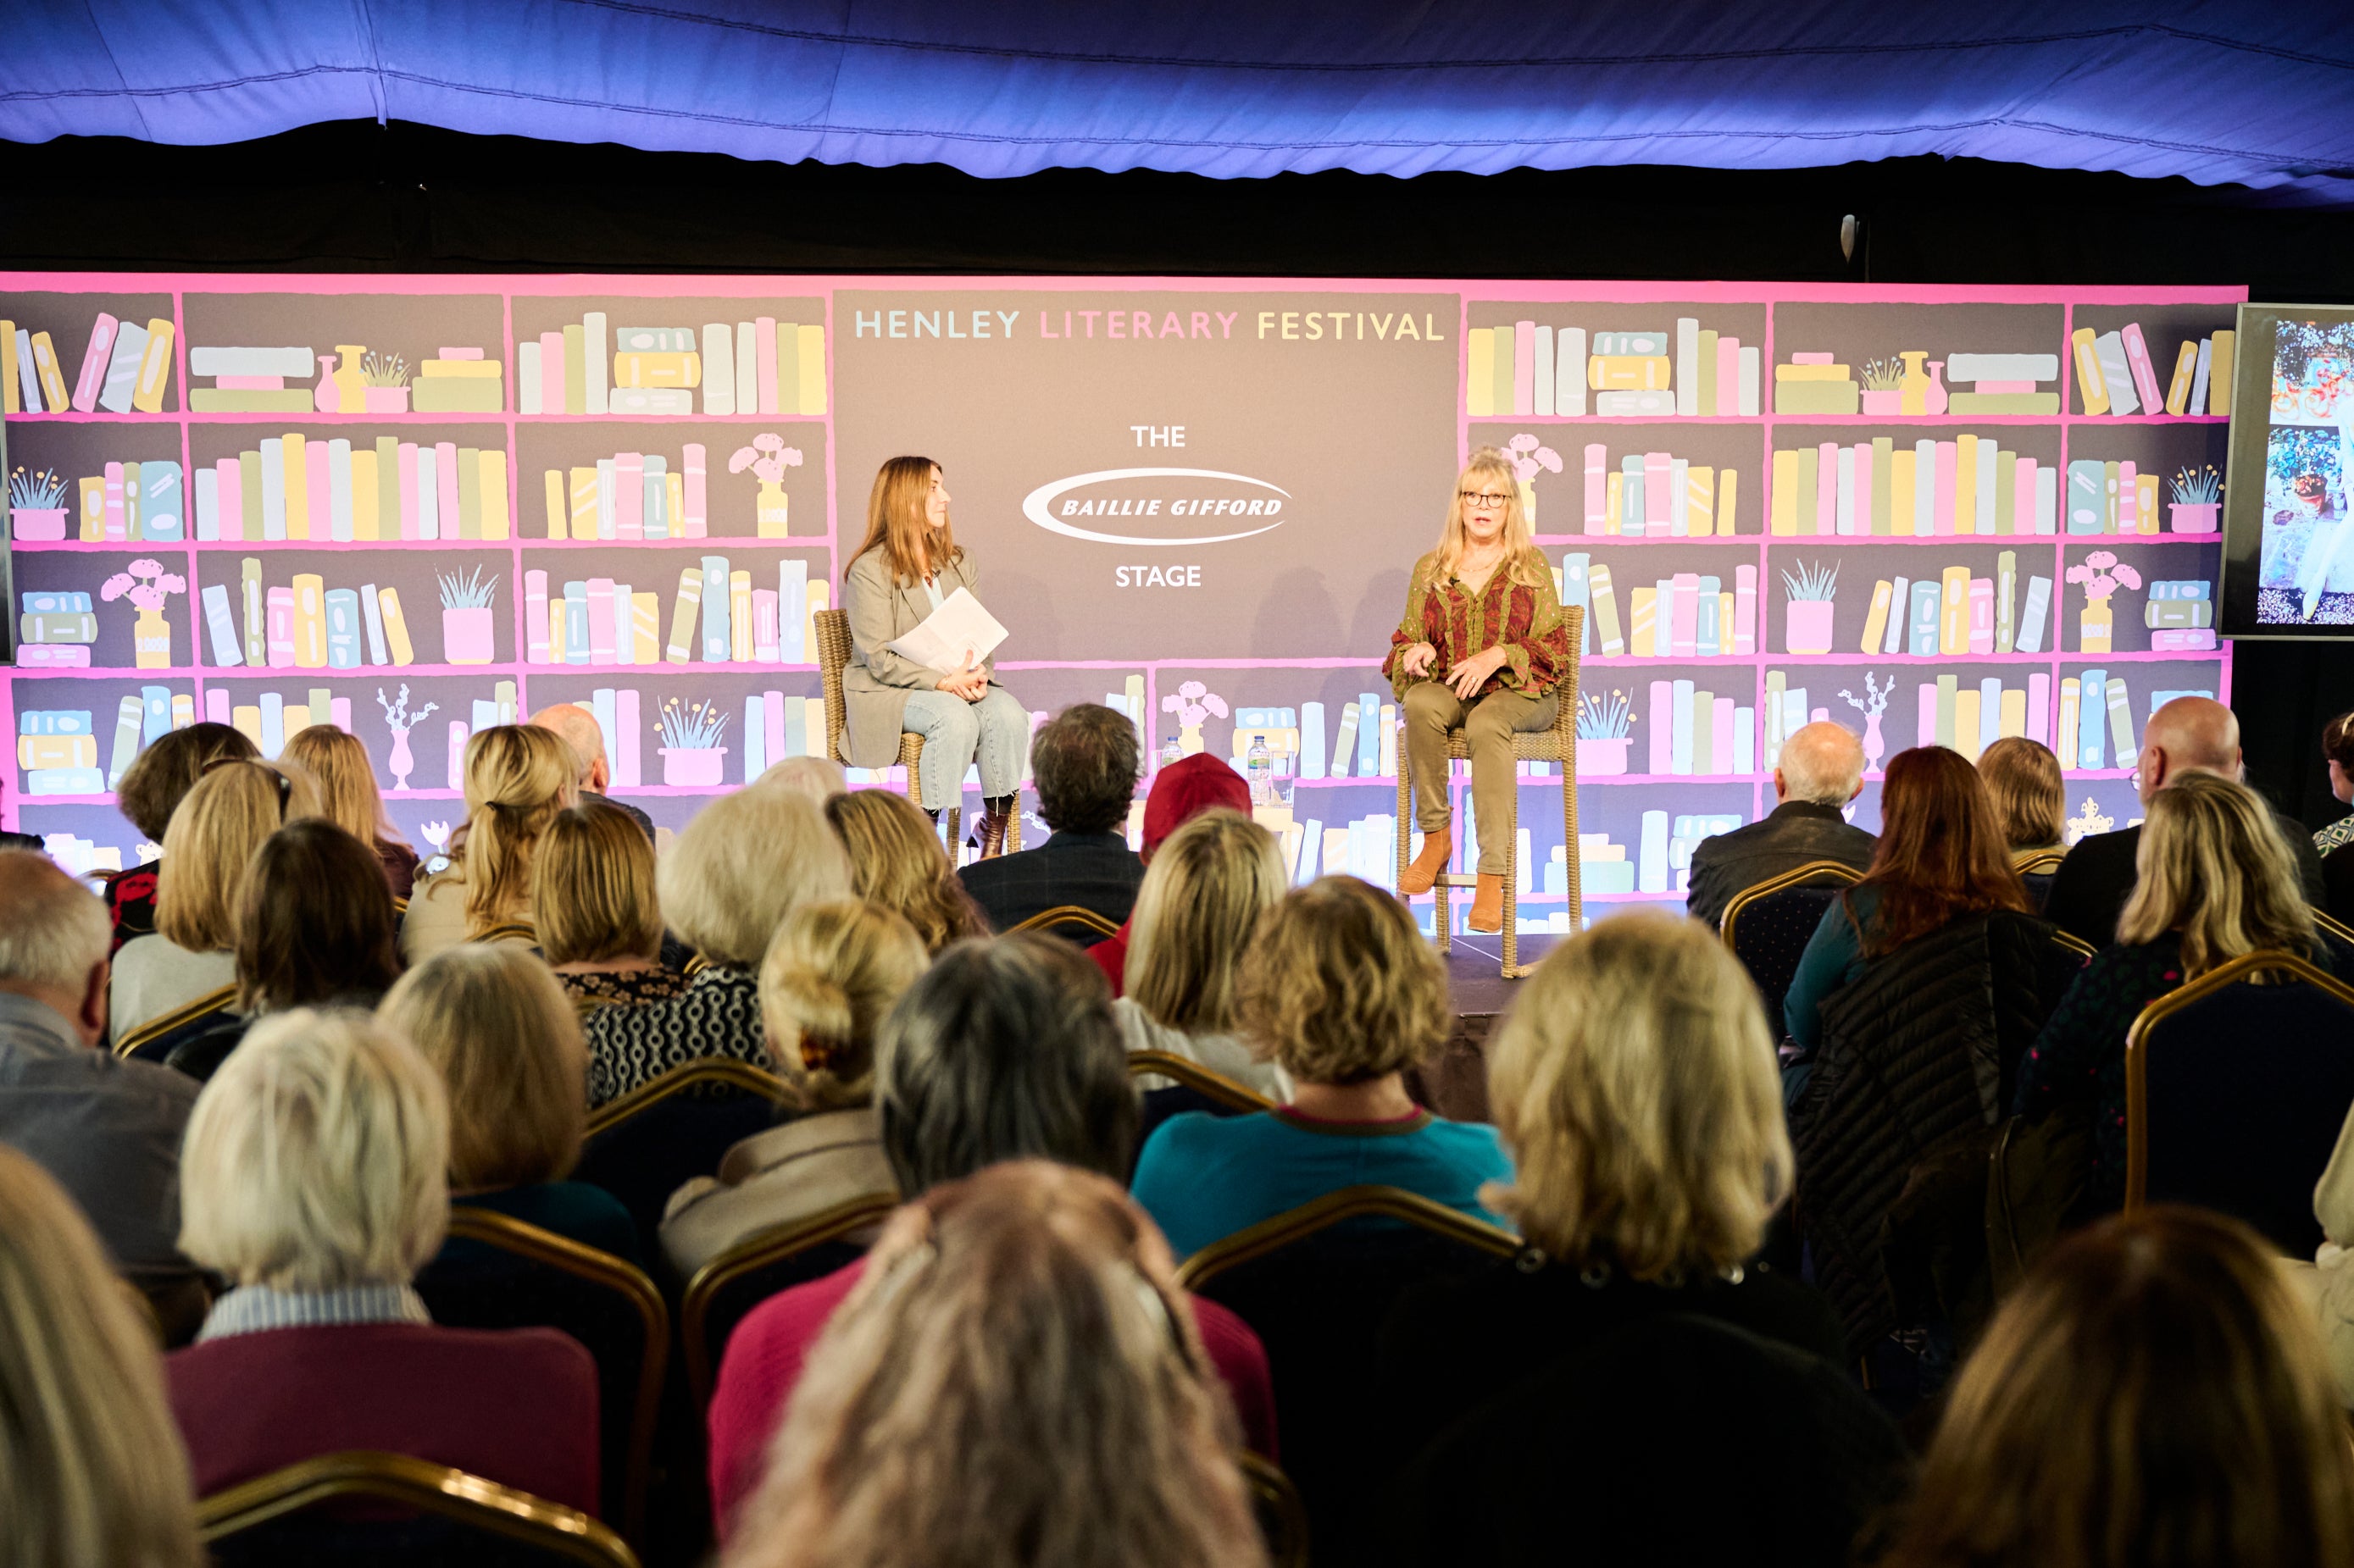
<point>2332,926</point>
<point>2038,861</point>
<point>1070,915</point>
<point>1837,873</point>
<point>180,1017</point>
<point>844,1219</point>
<point>1216,1086</point>
<point>1270,1234</point>
<point>728,1070</point>
<point>2073,943</point>
<point>1267,1483</point>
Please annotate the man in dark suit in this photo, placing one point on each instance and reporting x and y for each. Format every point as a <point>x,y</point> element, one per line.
<point>1820,769</point>
<point>1085,765</point>
<point>2189,734</point>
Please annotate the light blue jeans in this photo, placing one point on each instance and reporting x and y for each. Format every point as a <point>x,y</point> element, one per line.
<point>995,731</point>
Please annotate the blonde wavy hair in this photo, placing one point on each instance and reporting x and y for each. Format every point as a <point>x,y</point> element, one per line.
<point>1203,895</point>
<point>592,886</point>
<point>896,861</point>
<point>916,1436</point>
<point>1338,986</point>
<point>832,971</point>
<point>208,849</point>
<point>92,1471</point>
<point>2211,864</point>
<point>2030,799</point>
<point>348,797</point>
<point>518,776</point>
<point>495,1024</point>
<point>1523,559</point>
<point>1635,1084</point>
<point>745,861</point>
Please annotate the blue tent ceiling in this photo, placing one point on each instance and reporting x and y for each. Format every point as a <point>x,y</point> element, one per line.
<point>2259,94</point>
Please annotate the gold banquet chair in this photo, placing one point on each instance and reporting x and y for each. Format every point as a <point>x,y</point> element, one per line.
<point>1558,745</point>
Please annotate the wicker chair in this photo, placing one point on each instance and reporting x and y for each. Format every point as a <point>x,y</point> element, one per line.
<point>1559,745</point>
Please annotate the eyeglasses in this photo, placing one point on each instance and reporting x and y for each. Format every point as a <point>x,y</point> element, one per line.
<point>285,782</point>
<point>1481,498</point>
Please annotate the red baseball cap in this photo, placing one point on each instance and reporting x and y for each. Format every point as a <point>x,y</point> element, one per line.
<point>1186,789</point>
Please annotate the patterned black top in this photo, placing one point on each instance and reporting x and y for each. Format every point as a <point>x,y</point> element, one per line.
<point>718,1015</point>
<point>2080,1057</point>
<point>627,987</point>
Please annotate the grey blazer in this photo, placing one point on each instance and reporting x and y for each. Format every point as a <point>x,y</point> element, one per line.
<point>875,682</point>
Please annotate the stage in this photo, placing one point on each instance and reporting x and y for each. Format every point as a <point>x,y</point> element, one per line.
<point>1454,1083</point>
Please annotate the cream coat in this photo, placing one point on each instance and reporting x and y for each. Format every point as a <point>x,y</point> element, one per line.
<point>876,683</point>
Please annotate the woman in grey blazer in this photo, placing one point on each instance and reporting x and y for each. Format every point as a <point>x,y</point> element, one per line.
<point>910,563</point>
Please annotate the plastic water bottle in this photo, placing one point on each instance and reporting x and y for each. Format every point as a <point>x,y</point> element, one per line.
<point>1259,768</point>
<point>1171,752</point>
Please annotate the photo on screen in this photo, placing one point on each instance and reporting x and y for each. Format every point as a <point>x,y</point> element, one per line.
<point>2288,512</point>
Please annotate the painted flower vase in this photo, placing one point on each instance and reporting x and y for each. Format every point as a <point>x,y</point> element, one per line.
<point>1602,758</point>
<point>151,641</point>
<point>1882,401</point>
<point>1875,745</point>
<point>2197,517</point>
<point>1806,626</point>
<point>2096,627</point>
<point>1933,398</point>
<point>1912,387</point>
<point>402,762</point>
<point>693,767</point>
<point>772,512</point>
<point>1528,502</point>
<point>386,399</point>
<point>39,522</point>
<point>467,635</point>
<point>326,397</point>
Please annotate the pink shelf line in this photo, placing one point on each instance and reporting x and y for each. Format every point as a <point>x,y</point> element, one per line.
<point>2048,657</point>
<point>314,417</point>
<point>100,418</point>
<point>1669,898</point>
<point>105,799</point>
<point>797,542</point>
<point>670,420</point>
<point>664,668</point>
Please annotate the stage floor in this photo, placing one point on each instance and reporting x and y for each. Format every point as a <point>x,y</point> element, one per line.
<point>1454,1083</point>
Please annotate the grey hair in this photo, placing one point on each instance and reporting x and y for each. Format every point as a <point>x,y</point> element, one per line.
<point>1822,763</point>
<point>54,930</point>
<point>1007,1047</point>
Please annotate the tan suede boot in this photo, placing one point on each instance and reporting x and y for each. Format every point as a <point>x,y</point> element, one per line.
<point>1437,848</point>
<point>1487,915</point>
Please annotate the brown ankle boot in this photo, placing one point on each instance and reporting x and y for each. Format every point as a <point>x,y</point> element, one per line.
<point>1487,915</point>
<point>996,824</point>
<point>1437,848</point>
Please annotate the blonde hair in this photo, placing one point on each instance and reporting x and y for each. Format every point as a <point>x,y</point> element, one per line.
<point>2153,1394</point>
<point>2031,800</point>
<point>92,1471</point>
<point>338,762</point>
<point>745,861</point>
<point>832,971</point>
<point>2211,864</point>
<point>908,1441</point>
<point>317,1157</point>
<point>592,886</point>
<point>1203,895</point>
<point>898,526</point>
<point>897,862</point>
<point>1635,1084</point>
<point>209,847</point>
<point>1523,559</point>
<point>518,776</point>
<point>1339,986</point>
<point>508,1046</point>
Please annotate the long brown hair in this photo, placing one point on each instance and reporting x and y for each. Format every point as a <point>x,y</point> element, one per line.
<point>315,921</point>
<point>1941,853</point>
<point>896,525</point>
<point>348,797</point>
<point>2152,1395</point>
<point>898,864</point>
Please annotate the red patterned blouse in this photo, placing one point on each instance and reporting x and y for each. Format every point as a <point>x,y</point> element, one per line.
<point>1526,619</point>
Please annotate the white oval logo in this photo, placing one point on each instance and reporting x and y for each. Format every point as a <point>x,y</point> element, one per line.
<point>1038,505</point>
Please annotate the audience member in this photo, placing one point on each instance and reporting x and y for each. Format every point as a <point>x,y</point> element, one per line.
<point>2023,784</point>
<point>745,861</point>
<point>1084,762</point>
<point>2150,1396</point>
<point>2189,734</point>
<point>908,1443</point>
<point>819,777</point>
<point>517,778</point>
<point>586,736</point>
<point>91,1472</point>
<point>1940,856</point>
<point>108,1130</point>
<point>504,1038</point>
<point>314,928</point>
<point>315,1182</point>
<point>1204,895</point>
<point>2332,842</point>
<point>150,789</point>
<point>1341,992</point>
<point>1180,792</point>
<point>1005,1049</point>
<point>2329,1285</point>
<point>208,853</point>
<point>338,763</point>
<point>1819,771</point>
<point>897,862</point>
<point>832,973</point>
<point>2213,880</point>
<point>600,923</point>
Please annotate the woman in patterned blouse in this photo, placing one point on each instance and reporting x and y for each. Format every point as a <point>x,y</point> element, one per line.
<point>1480,648</point>
<point>592,889</point>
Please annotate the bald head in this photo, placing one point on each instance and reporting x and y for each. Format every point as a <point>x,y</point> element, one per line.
<point>53,940</point>
<point>581,732</point>
<point>1822,764</point>
<point>2189,734</point>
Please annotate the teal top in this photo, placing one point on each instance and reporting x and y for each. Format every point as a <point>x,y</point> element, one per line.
<point>1203,1177</point>
<point>1833,958</point>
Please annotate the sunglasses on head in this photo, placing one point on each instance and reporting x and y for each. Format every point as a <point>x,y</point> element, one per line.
<point>284,782</point>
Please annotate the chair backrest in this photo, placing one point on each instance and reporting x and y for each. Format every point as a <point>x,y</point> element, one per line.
<point>533,1278</point>
<point>1767,925</point>
<point>2338,938</point>
<point>445,1517</point>
<point>749,1272</point>
<point>2039,887</point>
<point>832,658</point>
<point>2235,1094</point>
<point>1073,921</point>
<point>647,1144</point>
<point>1282,1517</point>
<point>147,1042</point>
<point>2076,946</point>
<point>2042,863</point>
<point>1192,1088</point>
<point>521,931</point>
<point>1315,1284</point>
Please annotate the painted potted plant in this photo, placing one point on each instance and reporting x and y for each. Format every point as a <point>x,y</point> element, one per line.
<point>400,721</point>
<point>1606,730</point>
<point>1192,702</point>
<point>692,756</point>
<point>37,504</point>
<point>2197,500</point>
<point>1875,704</point>
<point>468,628</point>
<point>1528,456</point>
<point>768,457</point>
<point>146,585</point>
<point>2100,572</point>
<point>1806,617</point>
<point>1884,391</point>
<point>385,382</point>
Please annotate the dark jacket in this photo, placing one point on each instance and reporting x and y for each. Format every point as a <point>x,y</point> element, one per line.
<point>1908,1087</point>
<point>2090,889</point>
<point>1094,871</point>
<point>1786,838</point>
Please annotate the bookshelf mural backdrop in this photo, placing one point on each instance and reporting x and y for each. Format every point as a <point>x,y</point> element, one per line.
<point>412,507</point>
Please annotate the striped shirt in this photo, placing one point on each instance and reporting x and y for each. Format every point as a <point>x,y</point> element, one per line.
<point>256,1309</point>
